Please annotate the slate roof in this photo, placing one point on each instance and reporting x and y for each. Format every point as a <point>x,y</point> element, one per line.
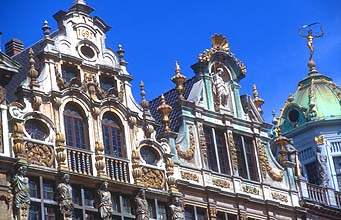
<point>171,98</point>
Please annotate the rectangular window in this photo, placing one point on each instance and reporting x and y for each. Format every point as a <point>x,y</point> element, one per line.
<point>34,188</point>
<point>222,152</point>
<point>211,155</point>
<point>251,158</point>
<point>162,211</point>
<point>77,214</point>
<point>50,213</point>
<point>48,191</point>
<point>240,155</point>
<point>189,213</point>
<point>201,214</point>
<point>34,213</point>
<point>76,195</point>
<point>115,202</point>
<point>311,169</point>
<point>151,209</point>
<point>88,197</point>
<point>126,205</point>
<point>221,216</point>
<point>231,217</point>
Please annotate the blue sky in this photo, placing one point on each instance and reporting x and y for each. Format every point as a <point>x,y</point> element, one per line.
<point>262,34</point>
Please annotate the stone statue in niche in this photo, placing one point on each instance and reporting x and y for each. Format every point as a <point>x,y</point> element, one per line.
<point>220,88</point>
<point>21,193</point>
<point>64,197</point>
<point>103,202</point>
<point>322,167</point>
<point>176,209</point>
<point>141,206</point>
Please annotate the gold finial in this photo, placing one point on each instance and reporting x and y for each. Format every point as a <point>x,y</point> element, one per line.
<point>219,42</point>
<point>310,37</point>
<point>144,102</point>
<point>281,141</point>
<point>179,80</point>
<point>33,73</point>
<point>165,110</point>
<point>256,100</point>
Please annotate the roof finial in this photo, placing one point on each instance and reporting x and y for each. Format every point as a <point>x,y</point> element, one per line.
<point>256,100</point>
<point>46,29</point>
<point>33,73</point>
<point>120,53</point>
<point>310,37</point>
<point>165,109</point>
<point>144,102</point>
<point>179,80</point>
<point>76,2</point>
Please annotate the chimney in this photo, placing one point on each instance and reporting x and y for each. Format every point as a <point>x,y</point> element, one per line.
<point>13,47</point>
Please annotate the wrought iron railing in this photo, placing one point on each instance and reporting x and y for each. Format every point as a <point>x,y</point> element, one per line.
<point>117,169</point>
<point>79,161</point>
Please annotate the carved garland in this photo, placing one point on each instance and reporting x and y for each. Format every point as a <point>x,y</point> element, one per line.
<point>189,153</point>
<point>152,178</point>
<point>221,183</point>
<point>279,196</point>
<point>250,189</point>
<point>202,141</point>
<point>189,176</point>
<point>265,166</point>
<point>233,151</point>
<point>39,154</point>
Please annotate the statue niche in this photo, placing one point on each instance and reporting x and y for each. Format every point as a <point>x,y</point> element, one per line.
<point>221,92</point>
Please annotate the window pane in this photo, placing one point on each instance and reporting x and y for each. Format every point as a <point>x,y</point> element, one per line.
<point>126,205</point>
<point>88,197</point>
<point>48,191</point>
<point>112,136</point>
<point>311,171</point>
<point>201,214</point>
<point>189,213</point>
<point>222,152</point>
<point>162,211</point>
<point>240,156</point>
<point>34,212</point>
<point>76,195</point>
<point>151,209</point>
<point>77,214</point>
<point>211,155</point>
<point>50,213</point>
<point>34,186</point>
<point>251,158</point>
<point>75,129</point>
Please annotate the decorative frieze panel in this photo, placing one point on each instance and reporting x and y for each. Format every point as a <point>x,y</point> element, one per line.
<point>39,154</point>
<point>250,189</point>
<point>279,196</point>
<point>221,183</point>
<point>189,176</point>
<point>153,178</point>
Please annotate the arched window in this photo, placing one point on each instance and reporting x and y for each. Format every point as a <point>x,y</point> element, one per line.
<point>76,128</point>
<point>113,136</point>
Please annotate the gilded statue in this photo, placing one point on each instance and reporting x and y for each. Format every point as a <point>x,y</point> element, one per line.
<point>310,37</point>
<point>64,197</point>
<point>141,206</point>
<point>21,192</point>
<point>176,209</point>
<point>103,202</point>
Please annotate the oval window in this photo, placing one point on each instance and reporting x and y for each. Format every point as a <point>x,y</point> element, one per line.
<point>36,129</point>
<point>294,115</point>
<point>87,51</point>
<point>149,155</point>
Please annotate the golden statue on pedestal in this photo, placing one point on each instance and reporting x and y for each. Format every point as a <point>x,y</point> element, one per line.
<point>310,36</point>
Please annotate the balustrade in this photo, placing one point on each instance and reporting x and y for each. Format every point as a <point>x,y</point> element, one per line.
<point>338,199</point>
<point>117,169</point>
<point>317,194</point>
<point>79,161</point>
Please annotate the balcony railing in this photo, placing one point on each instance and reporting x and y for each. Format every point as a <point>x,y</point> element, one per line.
<point>338,199</point>
<point>117,169</point>
<point>318,194</point>
<point>79,161</point>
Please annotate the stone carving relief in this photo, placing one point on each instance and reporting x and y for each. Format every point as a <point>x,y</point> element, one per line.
<point>21,190</point>
<point>103,202</point>
<point>177,209</point>
<point>250,189</point>
<point>220,89</point>
<point>221,183</point>
<point>153,178</point>
<point>233,151</point>
<point>39,154</point>
<point>141,205</point>
<point>189,176</point>
<point>189,153</point>
<point>202,141</point>
<point>64,197</point>
<point>279,196</point>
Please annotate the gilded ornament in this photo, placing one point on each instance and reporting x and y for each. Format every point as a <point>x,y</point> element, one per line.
<point>265,165</point>
<point>250,189</point>
<point>279,196</point>
<point>60,153</point>
<point>171,181</point>
<point>233,151</point>
<point>33,73</point>
<point>202,141</point>
<point>189,153</point>
<point>99,157</point>
<point>39,154</point>
<point>18,140</point>
<point>243,216</point>
<point>135,164</point>
<point>319,140</point>
<point>36,102</point>
<point>152,178</point>
<point>256,100</point>
<point>221,183</point>
<point>213,212</point>
<point>165,109</point>
<point>179,80</point>
<point>189,176</point>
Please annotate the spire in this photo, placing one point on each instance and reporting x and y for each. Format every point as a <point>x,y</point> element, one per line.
<point>144,103</point>
<point>179,80</point>
<point>120,53</point>
<point>256,100</point>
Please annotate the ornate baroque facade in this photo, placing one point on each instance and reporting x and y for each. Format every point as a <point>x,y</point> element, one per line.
<point>76,145</point>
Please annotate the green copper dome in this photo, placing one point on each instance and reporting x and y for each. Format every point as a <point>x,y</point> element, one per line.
<point>316,98</point>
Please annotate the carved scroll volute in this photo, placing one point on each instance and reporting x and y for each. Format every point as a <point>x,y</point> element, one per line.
<point>171,181</point>
<point>18,141</point>
<point>60,151</point>
<point>137,172</point>
<point>99,157</point>
<point>233,151</point>
<point>187,154</point>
